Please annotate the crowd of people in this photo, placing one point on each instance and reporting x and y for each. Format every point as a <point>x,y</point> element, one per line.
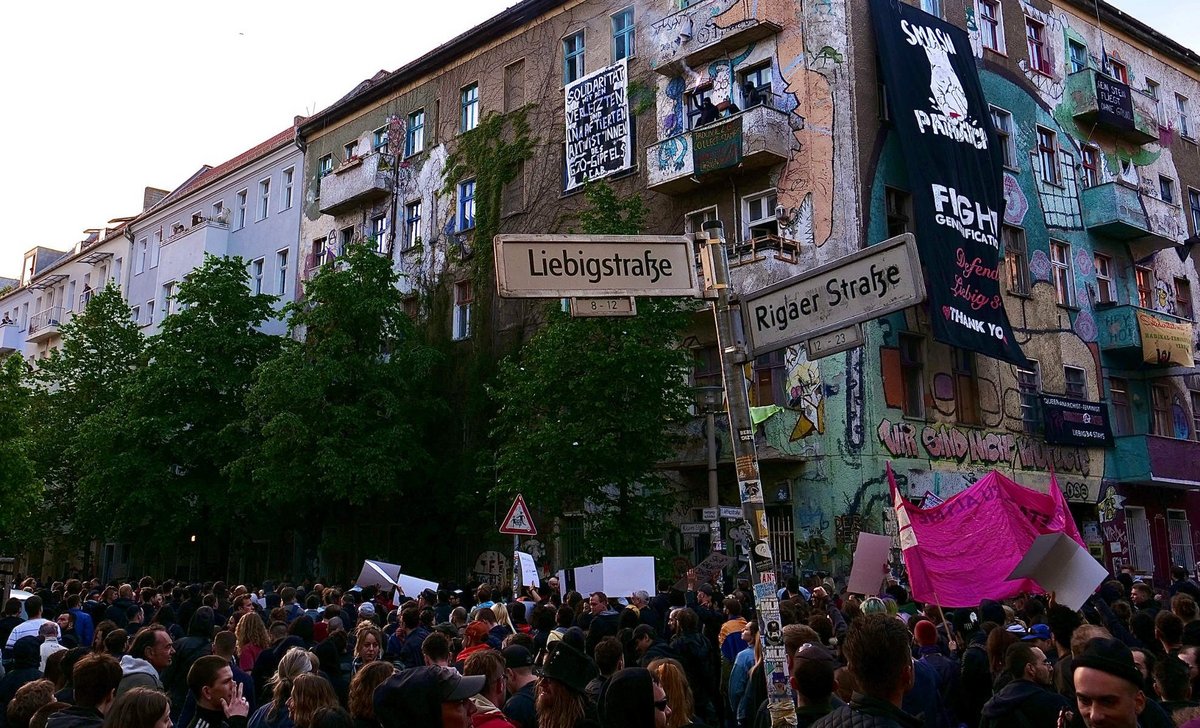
<point>157,655</point>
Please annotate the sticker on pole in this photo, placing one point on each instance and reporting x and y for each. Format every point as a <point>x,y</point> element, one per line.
<point>518,522</point>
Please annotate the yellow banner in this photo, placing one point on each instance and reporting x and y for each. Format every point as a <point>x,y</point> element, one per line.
<point>1165,342</point>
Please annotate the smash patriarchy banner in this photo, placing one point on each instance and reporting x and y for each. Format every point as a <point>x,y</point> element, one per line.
<point>995,516</point>
<point>955,174</point>
<point>599,133</point>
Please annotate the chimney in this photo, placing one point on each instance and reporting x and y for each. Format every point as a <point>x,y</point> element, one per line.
<point>152,196</point>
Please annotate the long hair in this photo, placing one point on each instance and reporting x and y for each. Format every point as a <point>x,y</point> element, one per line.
<point>137,708</point>
<point>362,688</point>
<point>562,710</point>
<point>251,631</point>
<point>674,683</point>
<point>364,629</point>
<point>291,666</point>
<point>502,617</point>
<point>309,693</point>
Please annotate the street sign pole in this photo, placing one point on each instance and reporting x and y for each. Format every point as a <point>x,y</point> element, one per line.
<point>762,566</point>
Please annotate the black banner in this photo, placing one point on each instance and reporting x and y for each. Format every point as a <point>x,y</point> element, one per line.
<point>717,146</point>
<point>955,174</point>
<point>1114,102</point>
<point>1074,422</point>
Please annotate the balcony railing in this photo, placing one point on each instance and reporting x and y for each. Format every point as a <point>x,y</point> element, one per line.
<point>1121,211</point>
<point>1102,102</point>
<point>1118,330</point>
<point>183,252</point>
<point>760,247</point>
<point>1154,459</point>
<point>45,323</point>
<point>356,183</point>
<point>757,137</point>
<point>701,32</point>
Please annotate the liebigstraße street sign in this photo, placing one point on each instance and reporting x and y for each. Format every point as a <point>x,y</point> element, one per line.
<point>874,282</point>
<point>590,266</point>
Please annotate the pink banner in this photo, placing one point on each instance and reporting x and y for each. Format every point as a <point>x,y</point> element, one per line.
<point>963,550</point>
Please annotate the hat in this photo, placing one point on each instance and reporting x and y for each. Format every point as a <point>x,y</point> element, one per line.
<point>991,611</point>
<point>413,698</point>
<point>814,653</point>
<point>568,665</point>
<point>1016,628</point>
<point>1037,632</point>
<point>366,608</point>
<point>925,633</point>
<point>477,630</point>
<point>1112,656</point>
<point>516,657</point>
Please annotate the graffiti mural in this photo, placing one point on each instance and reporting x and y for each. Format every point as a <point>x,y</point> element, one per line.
<point>980,447</point>
<point>805,392</point>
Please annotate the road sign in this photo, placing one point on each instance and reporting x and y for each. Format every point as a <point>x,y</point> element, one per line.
<point>593,307</point>
<point>564,266</point>
<point>693,529</point>
<point>710,514</point>
<point>518,522</point>
<point>834,342</point>
<point>731,511</point>
<point>858,287</point>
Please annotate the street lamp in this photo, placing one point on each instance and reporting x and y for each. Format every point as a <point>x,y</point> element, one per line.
<point>710,399</point>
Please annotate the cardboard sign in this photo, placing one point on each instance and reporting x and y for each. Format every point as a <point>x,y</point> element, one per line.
<point>870,563</point>
<point>529,572</point>
<point>589,579</point>
<point>623,575</point>
<point>714,563</point>
<point>562,583</point>
<point>379,574</point>
<point>1060,565</point>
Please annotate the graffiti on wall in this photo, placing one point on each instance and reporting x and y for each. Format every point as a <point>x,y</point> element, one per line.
<point>980,447</point>
<point>805,393</point>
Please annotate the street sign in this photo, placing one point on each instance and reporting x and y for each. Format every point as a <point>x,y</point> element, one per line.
<point>730,511</point>
<point>858,287</point>
<point>693,529</point>
<point>710,514</point>
<point>564,266</point>
<point>518,522</point>
<point>834,342</point>
<point>592,307</point>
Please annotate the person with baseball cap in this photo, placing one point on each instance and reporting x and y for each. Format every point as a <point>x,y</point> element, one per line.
<point>522,686</point>
<point>427,697</point>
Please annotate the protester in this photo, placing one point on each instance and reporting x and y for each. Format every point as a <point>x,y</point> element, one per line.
<point>1108,686</point>
<point>427,697</point>
<point>139,708</point>
<point>877,654</point>
<point>26,658</point>
<point>1027,699</point>
<point>310,693</point>
<point>29,699</point>
<point>361,701</point>
<point>274,713</point>
<point>219,700</point>
<point>195,645</point>
<point>96,678</point>
<point>252,639</point>
<point>149,655</point>
<point>32,626</point>
<point>561,693</point>
<point>522,687</point>
<point>634,699</point>
<point>670,676</point>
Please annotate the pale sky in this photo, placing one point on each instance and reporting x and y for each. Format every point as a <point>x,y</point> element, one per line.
<point>104,99</point>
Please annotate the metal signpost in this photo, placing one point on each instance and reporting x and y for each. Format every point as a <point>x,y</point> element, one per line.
<point>518,523</point>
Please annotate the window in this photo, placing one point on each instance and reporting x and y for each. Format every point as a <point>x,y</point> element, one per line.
<point>463,296</point>
<point>512,196</point>
<point>1160,411</point>
<point>912,370</point>
<point>933,7</point>
<point>1181,115</point>
<point>1153,91</point>
<point>1060,272</point>
<point>256,275</point>
<point>756,86</point>
<point>693,222</point>
<point>1145,288</point>
<point>135,314</point>
<point>379,232</point>
<point>1137,531</point>
<point>899,211</point>
<point>514,85</point>
<point>379,139</point>
<point>572,57</point>
<point>1016,258</point>
<point>622,31</point>
<point>149,312</point>
<point>1179,537</point>
<point>759,211</point>
<point>285,198</point>
<point>218,208</point>
<point>414,135</point>
<point>1035,39</point>
<point>770,378</point>
<point>412,225</point>
<point>1118,394</point>
<point>1091,165</point>
<point>1195,397</point>
<point>1106,290</point>
<point>1048,155</point>
<point>1075,382</point>
<point>1166,189</point>
<point>281,272</point>
<point>991,31</point>
<point>1029,387</point>
<point>264,198</point>
<point>695,103</point>
<point>167,299</point>
<point>883,111</point>
<point>351,150</point>
<point>319,253</point>
<point>324,165</point>
<point>346,237</point>
<point>1077,52</point>
<point>1119,71</point>
<point>1194,206</point>
<point>1183,298</point>
<point>466,205</point>
<point>139,260</point>
<point>69,302</point>
<point>241,209</point>
<point>469,105</point>
<point>1002,123</point>
<point>966,388</point>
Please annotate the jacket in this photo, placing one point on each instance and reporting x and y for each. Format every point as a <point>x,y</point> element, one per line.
<point>658,648</point>
<point>604,624</point>
<point>76,717</point>
<point>520,708</point>
<point>488,715</point>
<point>205,718</point>
<point>137,673</point>
<point>1023,699</point>
<point>866,712</point>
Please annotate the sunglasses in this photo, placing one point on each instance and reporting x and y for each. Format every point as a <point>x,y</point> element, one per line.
<point>661,705</point>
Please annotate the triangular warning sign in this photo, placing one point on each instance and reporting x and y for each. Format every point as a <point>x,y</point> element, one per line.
<point>518,522</point>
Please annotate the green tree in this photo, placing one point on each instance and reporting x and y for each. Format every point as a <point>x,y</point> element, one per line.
<point>20,489</point>
<point>586,409</point>
<point>344,414</point>
<point>155,459</point>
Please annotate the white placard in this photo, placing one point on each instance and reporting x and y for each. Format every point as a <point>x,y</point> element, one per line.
<point>529,572</point>
<point>623,575</point>
<point>870,564</point>
<point>562,583</point>
<point>412,586</point>
<point>589,579</point>
<point>1060,565</point>
<point>379,574</point>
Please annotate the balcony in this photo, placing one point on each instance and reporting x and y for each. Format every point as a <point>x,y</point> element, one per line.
<point>184,251</point>
<point>755,138</point>
<point>1105,103</point>
<point>44,324</point>
<point>1154,459</point>
<point>1119,333</point>
<point>1121,212</point>
<point>11,340</point>
<point>699,33</point>
<point>356,183</point>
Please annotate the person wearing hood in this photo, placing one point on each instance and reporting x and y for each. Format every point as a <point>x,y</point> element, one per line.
<point>1027,699</point>
<point>329,658</point>
<point>195,645</point>
<point>27,656</point>
<point>149,656</point>
<point>96,679</point>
